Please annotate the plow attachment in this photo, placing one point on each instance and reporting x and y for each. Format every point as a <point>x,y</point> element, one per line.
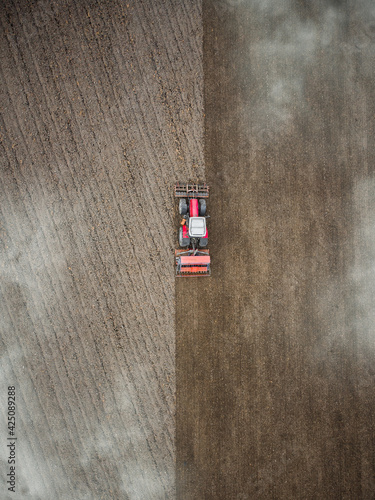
<point>192,263</point>
<point>191,190</point>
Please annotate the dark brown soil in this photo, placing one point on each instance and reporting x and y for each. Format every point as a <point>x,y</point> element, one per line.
<point>275,353</point>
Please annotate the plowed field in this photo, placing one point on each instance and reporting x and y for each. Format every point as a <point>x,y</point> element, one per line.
<point>101,111</point>
<point>257,383</point>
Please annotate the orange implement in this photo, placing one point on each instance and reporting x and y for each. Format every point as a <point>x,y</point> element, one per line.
<point>192,265</point>
<point>196,260</point>
<point>195,271</point>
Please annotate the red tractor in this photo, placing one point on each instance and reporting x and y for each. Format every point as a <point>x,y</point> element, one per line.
<point>193,259</point>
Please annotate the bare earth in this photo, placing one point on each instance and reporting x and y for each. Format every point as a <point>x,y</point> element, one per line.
<point>275,353</point>
<point>269,392</point>
<point>101,111</point>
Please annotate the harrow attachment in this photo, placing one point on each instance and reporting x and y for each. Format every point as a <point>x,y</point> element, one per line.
<point>190,263</point>
<point>191,190</point>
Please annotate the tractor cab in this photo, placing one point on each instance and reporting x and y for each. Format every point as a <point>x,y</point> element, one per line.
<point>197,227</point>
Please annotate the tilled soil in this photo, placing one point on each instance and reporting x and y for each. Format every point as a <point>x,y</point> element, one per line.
<point>101,111</point>
<point>275,352</point>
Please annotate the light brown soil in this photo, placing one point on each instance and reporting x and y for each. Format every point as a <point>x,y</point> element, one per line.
<point>101,111</point>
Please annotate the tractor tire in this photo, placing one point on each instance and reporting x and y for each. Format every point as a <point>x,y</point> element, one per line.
<point>202,208</point>
<point>182,206</point>
<point>183,242</point>
<point>203,242</point>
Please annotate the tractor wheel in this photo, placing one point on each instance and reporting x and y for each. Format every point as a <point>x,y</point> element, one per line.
<point>182,206</point>
<point>203,242</point>
<point>202,208</point>
<point>184,242</point>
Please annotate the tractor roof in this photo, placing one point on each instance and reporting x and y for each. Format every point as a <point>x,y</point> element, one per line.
<point>197,227</point>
